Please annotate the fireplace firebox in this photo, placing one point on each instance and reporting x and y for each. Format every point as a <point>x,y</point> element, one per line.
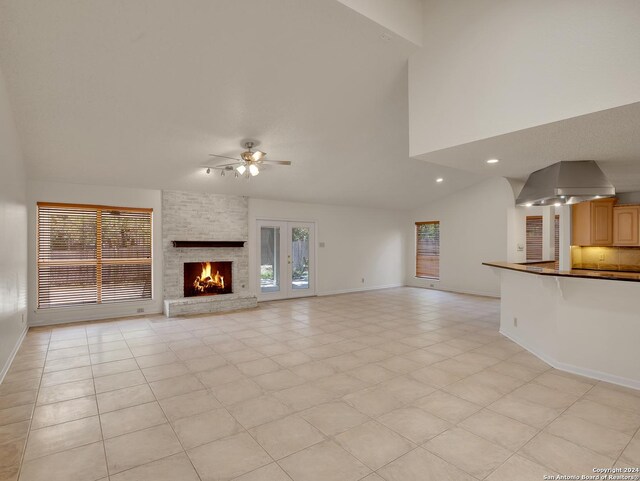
<point>207,278</point>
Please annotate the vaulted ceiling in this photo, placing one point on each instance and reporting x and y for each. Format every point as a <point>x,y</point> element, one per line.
<point>138,93</point>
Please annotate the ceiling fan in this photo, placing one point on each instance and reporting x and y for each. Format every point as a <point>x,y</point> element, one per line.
<point>248,164</point>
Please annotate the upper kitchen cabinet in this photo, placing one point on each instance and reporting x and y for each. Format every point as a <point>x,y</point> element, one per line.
<point>592,223</point>
<point>625,225</point>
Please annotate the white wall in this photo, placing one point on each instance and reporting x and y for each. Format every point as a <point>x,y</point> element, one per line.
<point>91,194</point>
<point>359,243</point>
<point>585,326</point>
<point>517,232</point>
<point>489,67</point>
<point>13,236</point>
<point>473,230</point>
<point>403,17</point>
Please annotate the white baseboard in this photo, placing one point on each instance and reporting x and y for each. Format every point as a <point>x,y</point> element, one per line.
<point>12,356</point>
<point>580,371</point>
<point>358,289</point>
<point>96,317</point>
<point>457,291</point>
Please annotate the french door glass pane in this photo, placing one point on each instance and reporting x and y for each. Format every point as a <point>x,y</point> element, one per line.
<point>270,259</point>
<point>300,257</point>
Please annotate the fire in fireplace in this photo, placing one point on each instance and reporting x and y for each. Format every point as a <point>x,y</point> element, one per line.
<point>207,278</point>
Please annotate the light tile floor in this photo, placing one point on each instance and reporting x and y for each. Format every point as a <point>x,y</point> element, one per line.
<point>397,385</point>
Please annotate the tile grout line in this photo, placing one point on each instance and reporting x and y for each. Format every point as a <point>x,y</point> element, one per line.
<point>548,424</point>
<point>104,447</point>
<point>167,421</point>
<point>33,410</point>
<point>244,324</point>
<point>633,436</point>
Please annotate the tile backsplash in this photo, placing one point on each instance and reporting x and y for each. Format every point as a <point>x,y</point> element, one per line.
<point>606,258</point>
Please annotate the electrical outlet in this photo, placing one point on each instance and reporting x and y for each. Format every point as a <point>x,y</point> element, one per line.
<point>140,310</point>
<point>23,319</point>
<point>515,322</point>
<point>431,285</point>
<point>602,256</point>
<point>363,280</point>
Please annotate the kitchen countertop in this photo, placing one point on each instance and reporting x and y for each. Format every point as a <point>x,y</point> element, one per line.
<point>542,268</point>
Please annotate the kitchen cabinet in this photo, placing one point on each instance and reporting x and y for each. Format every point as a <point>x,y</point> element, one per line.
<point>625,225</point>
<point>592,223</point>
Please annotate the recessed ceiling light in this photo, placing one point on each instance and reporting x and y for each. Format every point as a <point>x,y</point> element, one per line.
<point>492,161</point>
<point>439,179</point>
<point>528,204</point>
<point>557,204</point>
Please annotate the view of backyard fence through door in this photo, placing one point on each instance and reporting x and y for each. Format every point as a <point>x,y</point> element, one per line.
<point>286,254</point>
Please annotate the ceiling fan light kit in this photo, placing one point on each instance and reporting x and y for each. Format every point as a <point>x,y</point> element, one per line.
<point>248,165</point>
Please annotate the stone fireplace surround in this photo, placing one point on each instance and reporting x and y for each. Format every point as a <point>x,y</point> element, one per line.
<point>204,217</point>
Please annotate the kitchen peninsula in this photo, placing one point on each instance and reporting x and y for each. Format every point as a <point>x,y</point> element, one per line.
<point>582,321</point>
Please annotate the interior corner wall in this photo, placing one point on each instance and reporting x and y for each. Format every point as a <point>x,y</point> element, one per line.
<point>402,17</point>
<point>358,243</point>
<point>13,236</point>
<point>490,67</point>
<point>39,191</point>
<point>473,230</point>
<point>517,232</point>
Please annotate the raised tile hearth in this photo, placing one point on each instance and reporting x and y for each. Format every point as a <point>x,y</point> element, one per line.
<point>208,304</point>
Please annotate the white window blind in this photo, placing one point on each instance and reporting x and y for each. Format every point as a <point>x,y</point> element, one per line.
<point>428,249</point>
<point>534,238</point>
<point>91,254</point>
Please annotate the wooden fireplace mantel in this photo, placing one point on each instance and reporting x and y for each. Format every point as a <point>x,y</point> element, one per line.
<point>188,244</point>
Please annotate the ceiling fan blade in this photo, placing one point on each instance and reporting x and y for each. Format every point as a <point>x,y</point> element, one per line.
<point>222,166</point>
<point>225,157</point>
<point>275,162</point>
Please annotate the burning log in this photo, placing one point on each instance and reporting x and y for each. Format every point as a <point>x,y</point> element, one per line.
<point>206,282</point>
<point>207,278</point>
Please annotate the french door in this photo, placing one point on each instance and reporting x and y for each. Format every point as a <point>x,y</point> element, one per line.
<point>286,259</point>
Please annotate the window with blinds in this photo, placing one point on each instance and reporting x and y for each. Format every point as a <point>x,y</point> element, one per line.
<point>556,241</point>
<point>534,238</point>
<point>428,249</point>
<point>90,254</point>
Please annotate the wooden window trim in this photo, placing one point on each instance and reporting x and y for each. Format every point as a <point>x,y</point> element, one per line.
<point>97,207</point>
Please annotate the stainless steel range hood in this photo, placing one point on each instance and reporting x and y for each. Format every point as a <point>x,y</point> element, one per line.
<point>566,182</point>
